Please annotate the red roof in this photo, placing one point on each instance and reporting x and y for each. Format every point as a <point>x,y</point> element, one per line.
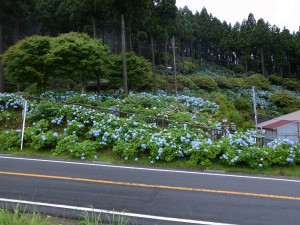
<point>277,124</point>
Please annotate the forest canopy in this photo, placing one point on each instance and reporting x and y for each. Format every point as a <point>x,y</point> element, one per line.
<point>252,45</point>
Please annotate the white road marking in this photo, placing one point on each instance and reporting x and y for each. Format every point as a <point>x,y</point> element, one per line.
<point>135,215</point>
<point>150,169</point>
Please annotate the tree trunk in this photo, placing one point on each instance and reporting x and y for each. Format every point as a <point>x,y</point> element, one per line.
<point>166,62</point>
<point>192,52</point>
<point>130,38</point>
<point>263,63</point>
<point>17,29</point>
<point>139,45</point>
<point>124,67</point>
<point>94,27</point>
<point>246,65</point>
<point>83,81</point>
<point>228,62</point>
<point>98,84</point>
<point>1,66</point>
<point>183,55</point>
<point>153,66</point>
<point>281,74</point>
<point>174,66</point>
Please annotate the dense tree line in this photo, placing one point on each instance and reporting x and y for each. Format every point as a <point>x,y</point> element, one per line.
<point>253,45</point>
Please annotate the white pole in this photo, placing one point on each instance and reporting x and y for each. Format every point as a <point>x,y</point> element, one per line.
<point>24,118</point>
<point>254,106</point>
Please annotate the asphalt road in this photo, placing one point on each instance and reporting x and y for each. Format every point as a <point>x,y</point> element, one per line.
<point>148,195</point>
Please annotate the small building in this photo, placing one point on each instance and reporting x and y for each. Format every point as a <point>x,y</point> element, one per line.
<point>286,126</point>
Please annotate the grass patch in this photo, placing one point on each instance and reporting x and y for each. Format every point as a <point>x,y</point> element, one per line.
<point>20,217</point>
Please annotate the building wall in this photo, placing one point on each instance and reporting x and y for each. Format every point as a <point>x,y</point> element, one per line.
<point>289,131</point>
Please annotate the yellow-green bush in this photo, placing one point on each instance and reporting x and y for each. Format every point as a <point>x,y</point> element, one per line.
<point>205,82</point>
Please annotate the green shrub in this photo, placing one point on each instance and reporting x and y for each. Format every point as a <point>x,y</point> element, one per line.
<point>238,83</point>
<point>204,154</point>
<point>291,84</point>
<point>258,81</point>
<point>46,140</point>
<point>242,103</point>
<point>81,150</point>
<point>224,82</point>
<point>284,99</point>
<point>138,72</point>
<point>275,79</point>
<point>205,82</point>
<point>183,82</point>
<point>65,144</point>
<point>127,150</point>
<point>189,66</point>
<point>84,150</point>
<point>10,140</point>
<point>237,68</point>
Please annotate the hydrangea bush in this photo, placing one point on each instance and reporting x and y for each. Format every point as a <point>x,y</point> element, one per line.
<point>83,132</point>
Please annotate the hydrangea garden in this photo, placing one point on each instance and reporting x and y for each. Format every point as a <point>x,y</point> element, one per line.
<point>60,125</point>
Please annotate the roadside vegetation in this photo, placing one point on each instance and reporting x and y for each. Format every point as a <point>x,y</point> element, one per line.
<point>20,217</point>
<point>141,129</point>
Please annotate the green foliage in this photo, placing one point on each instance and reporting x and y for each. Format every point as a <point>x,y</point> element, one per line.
<point>24,63</point>
<point>182,82</point>
<point>258,81</point>
<point>46,110</point>
<point>239,83</point>
<point>205,82</point>
<point>71,145</point>
<point>127,150</point>
<point>65,144</point>
<point>44,141</point>
<point>284,99</point>
<point>77,56</point>
<point>10,140</point>
<point>138,72</point>
<point>84,150</point>
<point>204,154</point>
<point>291,84</point>
<point>227,111</point>
<point>275,79</point>
<point>225,105</point>
<point>224,82</point>
<point>17,217</point>
<point>75,128</point>
<point>189,66</point>
<point>237,68</point>
<point>5,116</point>
<point>161,82</point>
<point>242,103</point>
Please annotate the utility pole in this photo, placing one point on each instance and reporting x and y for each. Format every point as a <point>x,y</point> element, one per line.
<point>254,105</point>
<point>174,65</point>
<point>124,66</point>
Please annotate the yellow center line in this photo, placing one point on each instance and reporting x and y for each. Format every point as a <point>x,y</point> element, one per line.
<point>153,186</point>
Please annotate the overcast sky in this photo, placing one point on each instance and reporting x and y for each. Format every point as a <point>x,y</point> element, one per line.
<point>277,12</point>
